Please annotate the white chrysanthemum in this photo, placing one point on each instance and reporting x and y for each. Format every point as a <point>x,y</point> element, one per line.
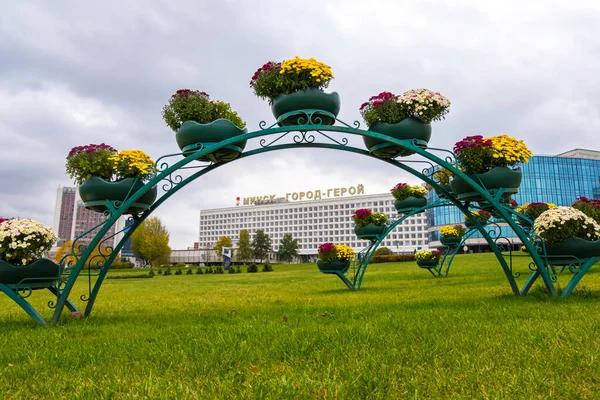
<point>24,240</point>
<point>552,226</point>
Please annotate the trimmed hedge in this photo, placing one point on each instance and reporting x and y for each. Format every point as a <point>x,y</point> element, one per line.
<point>392,258</point>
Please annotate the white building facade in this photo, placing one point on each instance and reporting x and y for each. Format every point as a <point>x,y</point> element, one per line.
<point>312,222</point>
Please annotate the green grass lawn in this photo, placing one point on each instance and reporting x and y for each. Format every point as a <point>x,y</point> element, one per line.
<point>297,333</point>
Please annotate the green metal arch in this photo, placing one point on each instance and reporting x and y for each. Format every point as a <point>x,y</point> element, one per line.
<point>171,183</point>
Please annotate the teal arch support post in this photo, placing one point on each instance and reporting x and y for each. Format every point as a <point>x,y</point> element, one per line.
<point>302,136</point>
<point>21,291</point>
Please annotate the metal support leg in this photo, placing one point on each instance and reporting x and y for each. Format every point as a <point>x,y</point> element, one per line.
<point>14,295</point>
<point>577,277</point>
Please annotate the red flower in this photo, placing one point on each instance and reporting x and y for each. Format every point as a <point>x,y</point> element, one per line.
<point>326,248</point>
<point>361,213</point>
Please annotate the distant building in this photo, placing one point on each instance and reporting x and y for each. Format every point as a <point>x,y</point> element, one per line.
<point>556,179</point>
<point>72,219</point>
<point>312,222</point>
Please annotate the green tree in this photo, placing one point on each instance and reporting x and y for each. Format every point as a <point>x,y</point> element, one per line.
<point>288,248</point>
<point>224,241</point>
<point>94,260</point>
<point>383,251</point>
<point>261,244</point>
<point>150,242</point>
<point>244,251</point>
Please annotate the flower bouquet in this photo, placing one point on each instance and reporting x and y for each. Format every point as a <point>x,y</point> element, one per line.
<point>404,117</point>
<point>367,224</point>
<point>23,244</point>
<point>334,257</point>
<point>591,208</point>
<point>481,216</point>
<point>409,197</point>
<point>452,234</point>
<point>567,232</point>
<point>427,258</point>
<point>532,211</point>
<point>491,162</point>
<point>294,89</point>
<point>199,121</point>
<point>104,174</point>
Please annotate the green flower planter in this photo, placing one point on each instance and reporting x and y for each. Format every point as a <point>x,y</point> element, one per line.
<point>407,129</point>
<point>574,247</point>
<point>471,225</point>
<point>450,240</point>
<point>427,264</point>
<point>333,266</point>
<point>95,191</point>
<point>306,99</point>
<point>409,204</point>
<point>447,187</point>
<point>39,274</point>
<point>369,231</point>
<point>493,180</point>
<point>192,135</point>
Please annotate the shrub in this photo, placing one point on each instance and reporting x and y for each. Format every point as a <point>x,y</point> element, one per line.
<point>219,270</point>
<point>209,270</point>
<point>178,272</point>
<point>252,268</point>
<point>231,270</point>
<point>199,271</point>
<point>168,272</point>
<point>382,251</point>
<point>151,273</point>
<point>189,271</point>
<point>267,267</point>
<point>238,270</point>
<point>179,265</point>
<point>128,276</point>
<point>392,258</point>
<point>122,265</point>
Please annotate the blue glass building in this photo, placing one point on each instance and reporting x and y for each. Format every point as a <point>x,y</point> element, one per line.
<point>556,179</point>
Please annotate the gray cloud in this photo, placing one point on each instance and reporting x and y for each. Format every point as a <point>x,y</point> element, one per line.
<point>85,72</point>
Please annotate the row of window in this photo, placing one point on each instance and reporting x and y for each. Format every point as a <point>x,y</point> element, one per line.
<point>291,210</point>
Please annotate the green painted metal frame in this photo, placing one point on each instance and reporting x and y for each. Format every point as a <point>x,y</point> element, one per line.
<point>171,182</point>
<point>19,292</point>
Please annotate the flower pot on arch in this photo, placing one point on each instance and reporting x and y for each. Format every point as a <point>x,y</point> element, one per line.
<point>405,117</point>
<point>200,122</point>
<point>96,191</point>
<point>411,129</point>
<point>306,106</point>
<point>295,91</point>
<point>193,136</point>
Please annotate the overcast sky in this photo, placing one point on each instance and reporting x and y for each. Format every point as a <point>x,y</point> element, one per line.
<point>80,72</point>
